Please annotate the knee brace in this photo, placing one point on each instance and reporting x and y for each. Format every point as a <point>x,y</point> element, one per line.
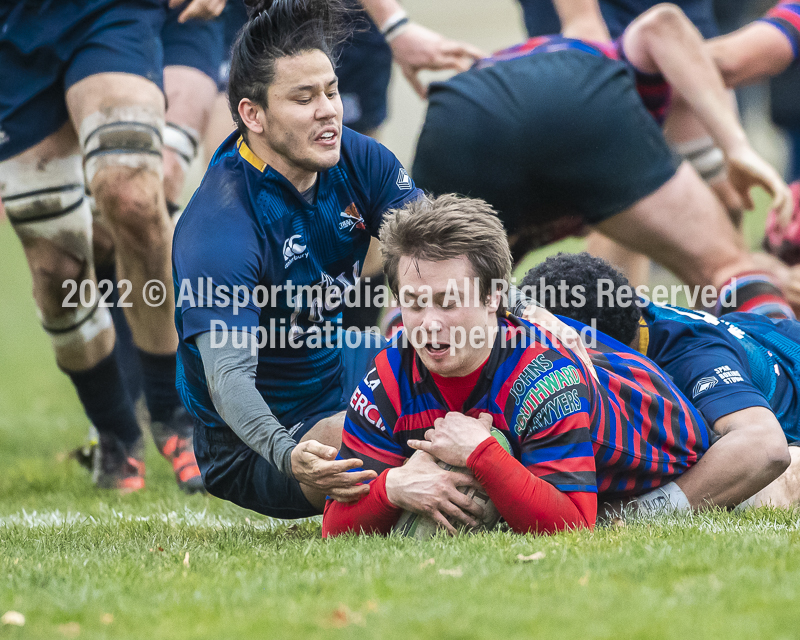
<point>704,156</point>
<point>184,141</point>
<point>46,201</point>
<point>129,136</point>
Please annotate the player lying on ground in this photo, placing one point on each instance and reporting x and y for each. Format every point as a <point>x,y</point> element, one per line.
<point>583,150</point>
<point>83,111</point>
<point>741,372</point>
<point>574,438</point>
<point>291,198</point>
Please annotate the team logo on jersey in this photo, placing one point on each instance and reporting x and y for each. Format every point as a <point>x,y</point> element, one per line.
<point>3,137</point>
<point>403,180</point>
<point>293,250</point>
<point>352,219</point>
<point>704,384</point>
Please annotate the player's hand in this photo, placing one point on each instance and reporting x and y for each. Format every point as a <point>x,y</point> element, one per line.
<point>454,437</point>
<point>418,48</point>
<point>198,9</point>
<point>566,335</point>
<point>423,487</point>
<point>747,169</point>
<point>315,464</point>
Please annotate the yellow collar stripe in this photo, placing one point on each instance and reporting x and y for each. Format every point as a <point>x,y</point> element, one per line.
<point>248,155</point>
<point>644,337</point>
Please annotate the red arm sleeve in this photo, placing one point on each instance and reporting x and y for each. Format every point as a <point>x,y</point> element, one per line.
<point>526,502</point>
<point>371,514</point>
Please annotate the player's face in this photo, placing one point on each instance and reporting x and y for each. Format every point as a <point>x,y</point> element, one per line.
<point>303,118</point>
<point>451,328</point>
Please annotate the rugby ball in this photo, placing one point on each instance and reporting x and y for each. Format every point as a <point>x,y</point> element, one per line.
<point>414,525</point>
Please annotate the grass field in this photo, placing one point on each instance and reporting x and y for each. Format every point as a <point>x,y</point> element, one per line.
<point>78,562</point>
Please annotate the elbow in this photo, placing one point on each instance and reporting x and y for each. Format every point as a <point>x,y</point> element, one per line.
<point>778,456</point>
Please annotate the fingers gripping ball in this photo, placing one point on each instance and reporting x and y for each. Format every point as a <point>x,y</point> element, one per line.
<point>414,525</point>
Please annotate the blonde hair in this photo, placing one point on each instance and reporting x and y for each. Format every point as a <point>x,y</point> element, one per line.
<point>446,227</point>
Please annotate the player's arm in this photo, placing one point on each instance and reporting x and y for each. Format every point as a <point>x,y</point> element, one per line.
<point>582,19</point>
<point>230,375</point>
<point>225,306</point>
<point>751,453</point>
<point>761,49</point>
<point>414,47</point>
<point>417,484</point>
<point>663,41</point>
<point>527,502</point>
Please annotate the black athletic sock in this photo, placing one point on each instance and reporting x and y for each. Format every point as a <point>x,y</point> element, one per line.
<point>158,381</point>
<point>105,400</point>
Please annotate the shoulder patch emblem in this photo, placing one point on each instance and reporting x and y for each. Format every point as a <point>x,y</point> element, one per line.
<point>704,384</point>
<point>403,180</point>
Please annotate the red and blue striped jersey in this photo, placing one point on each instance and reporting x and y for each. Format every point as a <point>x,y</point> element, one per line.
<point>627,432</point>
<point>653,89</point>
<point>786,17</point>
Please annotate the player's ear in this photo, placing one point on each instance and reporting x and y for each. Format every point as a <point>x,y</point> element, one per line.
<point>494,301</point>
<point>249,113</point>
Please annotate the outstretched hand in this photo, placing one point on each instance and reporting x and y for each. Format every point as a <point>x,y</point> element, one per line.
<point>418,48</point>
<point>747,169</point>
<point>315,464</point>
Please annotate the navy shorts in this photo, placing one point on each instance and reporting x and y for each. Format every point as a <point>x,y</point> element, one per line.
<point>364,68</point>
<point>234,472</point>
<point>551,141</point>
<point>46,47</point>
<point>541,18</point>
<point>233,17</point>
<point>196,43</point>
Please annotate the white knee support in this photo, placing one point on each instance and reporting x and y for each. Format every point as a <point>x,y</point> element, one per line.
<point>46,201</point>
<point>129,136</point>
<point>704,156</point>
<point>184,141</point>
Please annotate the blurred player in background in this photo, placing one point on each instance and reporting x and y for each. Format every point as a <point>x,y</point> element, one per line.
<point>82,110</point>
<point>741,371</point>
<point>583,150</point>
<point>574,439</point>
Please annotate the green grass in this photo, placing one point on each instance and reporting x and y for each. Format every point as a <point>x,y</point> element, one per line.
<point>78,562</point>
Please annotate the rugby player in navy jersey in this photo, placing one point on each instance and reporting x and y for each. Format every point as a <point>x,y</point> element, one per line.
<point>463,369</point>
<point>559,140</point>
<point>289,200</point>
<point>82,109</point>
<point>741,371</point>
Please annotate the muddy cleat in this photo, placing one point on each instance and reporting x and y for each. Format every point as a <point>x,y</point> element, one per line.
<point>117,465</point>
<point>785,243</point>
<point>174,441</point>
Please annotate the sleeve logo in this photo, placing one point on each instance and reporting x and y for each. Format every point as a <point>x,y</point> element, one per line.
<point>403,180</point>
<point>704,384</point>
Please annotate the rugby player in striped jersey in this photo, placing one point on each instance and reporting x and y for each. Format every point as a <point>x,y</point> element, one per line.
<point>575,439</point>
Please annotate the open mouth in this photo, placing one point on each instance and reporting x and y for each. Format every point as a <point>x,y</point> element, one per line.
<point>327,137</point>
<point>436,349</point>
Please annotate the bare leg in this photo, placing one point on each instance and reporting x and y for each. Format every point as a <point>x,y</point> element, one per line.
<point>131,199</point>
<point>191,95</point>
<point>684,227</point>
<point>634,266</point>
<point>785,491</point>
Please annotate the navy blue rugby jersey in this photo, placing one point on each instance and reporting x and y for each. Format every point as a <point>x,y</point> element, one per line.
<point>727,364</point>
<point>723,365</point>
<point>248,227</point>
